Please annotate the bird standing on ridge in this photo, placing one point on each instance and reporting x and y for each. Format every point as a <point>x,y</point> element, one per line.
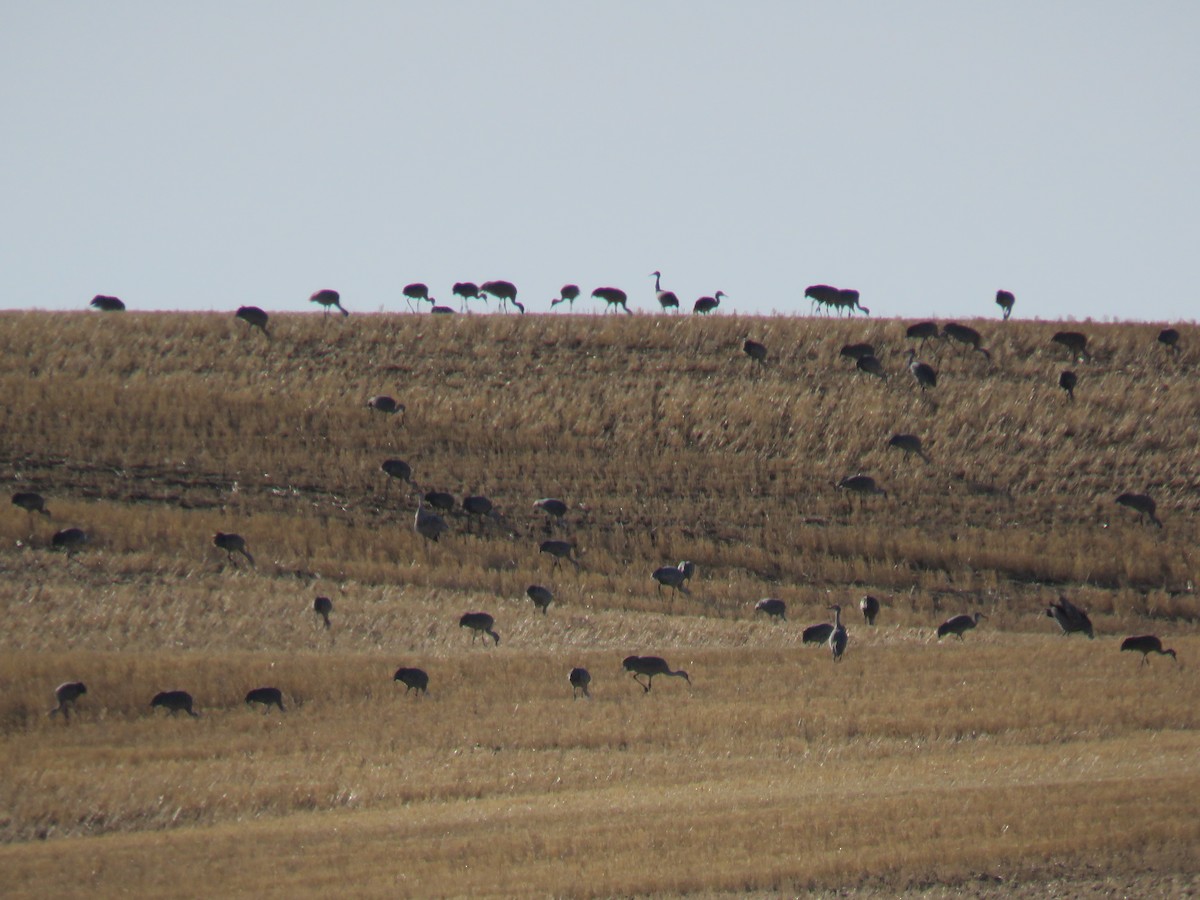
<point>504,291</point>
<point>327,298</point>
<point>568,294</point>
<point>1005,300</point>
<point>666,299</point>
<point>614,297</point>
<point>705,305</point>
<point>257,318</point>
<point>418,292</point>
<point>468,290</point>
<point>105,303</point>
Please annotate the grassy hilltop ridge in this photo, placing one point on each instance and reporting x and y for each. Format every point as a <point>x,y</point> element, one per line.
<point>154,431</point>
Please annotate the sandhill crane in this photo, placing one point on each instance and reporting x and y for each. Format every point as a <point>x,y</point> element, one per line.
<point>440,500</point>
<point>817,634</point>
<point>255,317</point>
<point>909,443</point>
<point>773,607</point>
<point>1075,343</point>
<point>965,335</point>
<point>449,311</point>
<point>554,508</point>
<point>479,623</point>
<point>327,298</point>
<point>413,679</point>
<point>871,366</point>
<point>30,502</point>
<point>922,331</point>
<point>69,539</point>
<point>480,507</point>
<point>398,469</point>
<point>468,290</point>
<point>861,485</point>
<point>66,694</point>
<point>823,295</point>
<point>567,294</point>
<point>267,696</point>
<point>559,550</point>
<point>428,525</point>
<point>857,351</point>
<point>1169,338</point>
<point>614,297</point>
<point>1142,504</point>
<point>323,606</point>
<point>389,406</point>
<point>1070,618</point>
<point>705,305</point>
<point>838,638</point>
<point>418,292</point>
<point>959,624</point>
<point>105,303</point>
<point>848,300</point>
<point>1005,300</point>
<point>477,505</point>
<point>541,596</point>
<point>1067,381</point>
<point>923,372</point>
<point>675,577</point>
<point>1146,644</point>
<point>175,701</point>
<point>231,544</point>
<point>869,606</point>
<point>504,291</point>
<point>666,299</point>
<point>755,350</point>
<point>580,678</point>
<point>651,666</point>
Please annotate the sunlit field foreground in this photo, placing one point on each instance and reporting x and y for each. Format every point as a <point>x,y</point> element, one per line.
<point>1016,761</point>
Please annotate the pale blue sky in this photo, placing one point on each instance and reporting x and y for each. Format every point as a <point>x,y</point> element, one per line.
<point>203,156</point>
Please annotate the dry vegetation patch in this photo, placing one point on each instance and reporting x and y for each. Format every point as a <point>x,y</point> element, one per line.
<point>1007,760</point>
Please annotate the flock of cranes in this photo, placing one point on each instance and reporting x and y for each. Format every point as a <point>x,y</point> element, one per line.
<point>430,523</point>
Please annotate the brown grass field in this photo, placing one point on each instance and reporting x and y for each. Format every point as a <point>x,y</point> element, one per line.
<point>1017,762</point>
